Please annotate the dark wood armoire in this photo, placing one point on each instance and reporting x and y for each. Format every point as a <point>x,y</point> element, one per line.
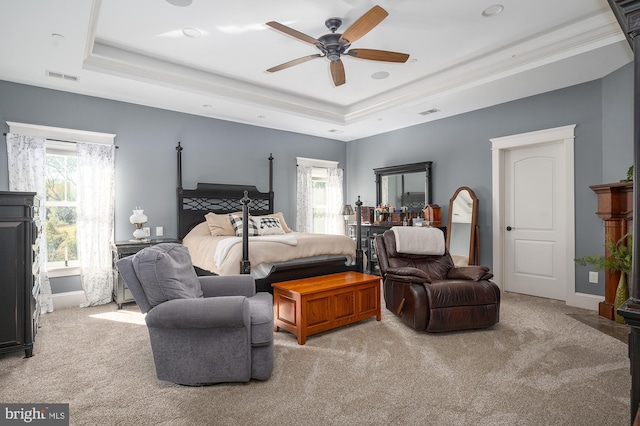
<point>19,279</point>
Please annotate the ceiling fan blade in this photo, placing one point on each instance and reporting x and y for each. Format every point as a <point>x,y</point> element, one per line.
<point>337,73</point>
<point>378,55</point>
<point>364,24</point>
<point>293,33</point>
<point>294,62</point>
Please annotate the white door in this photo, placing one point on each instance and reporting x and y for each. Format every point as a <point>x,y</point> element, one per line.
<point>534,220</point>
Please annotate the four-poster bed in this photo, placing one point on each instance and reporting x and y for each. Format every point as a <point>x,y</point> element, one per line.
<point>205,227</point>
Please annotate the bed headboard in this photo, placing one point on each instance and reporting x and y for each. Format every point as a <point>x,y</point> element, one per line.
<point>218,198</point>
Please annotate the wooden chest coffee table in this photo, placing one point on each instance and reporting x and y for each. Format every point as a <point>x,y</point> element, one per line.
<point>311,305</point>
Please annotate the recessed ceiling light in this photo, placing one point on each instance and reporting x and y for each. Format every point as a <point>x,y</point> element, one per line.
<point>191,32</point>
<point>380,75</point>
<point>180,3</point>
<point>492,10</point>
<point>56,39</point>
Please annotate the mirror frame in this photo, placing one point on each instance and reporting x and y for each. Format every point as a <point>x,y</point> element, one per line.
<point>424,166</point>
<point>474,246</point>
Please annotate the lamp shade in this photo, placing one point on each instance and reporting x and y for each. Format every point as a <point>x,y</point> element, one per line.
<point>138,217</point>
<point>347,210</point>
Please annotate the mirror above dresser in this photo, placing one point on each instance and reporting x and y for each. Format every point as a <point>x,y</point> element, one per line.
<point>407,185</point>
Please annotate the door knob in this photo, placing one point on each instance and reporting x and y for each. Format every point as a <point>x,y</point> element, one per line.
<point>509,228</point>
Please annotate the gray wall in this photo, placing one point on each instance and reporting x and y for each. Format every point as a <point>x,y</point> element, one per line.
<point>460,146</point>
<point>214,151</point>
<point>225,152</point>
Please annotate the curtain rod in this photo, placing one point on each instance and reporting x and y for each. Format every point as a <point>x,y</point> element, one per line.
<point>61,140</point>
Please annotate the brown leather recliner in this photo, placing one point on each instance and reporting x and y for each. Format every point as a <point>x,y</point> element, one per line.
<point>429,293</point>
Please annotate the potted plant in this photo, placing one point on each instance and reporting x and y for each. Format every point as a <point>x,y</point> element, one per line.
<point>619,259</point>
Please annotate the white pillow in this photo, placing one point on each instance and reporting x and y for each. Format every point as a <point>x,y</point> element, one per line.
<point>270,226</point>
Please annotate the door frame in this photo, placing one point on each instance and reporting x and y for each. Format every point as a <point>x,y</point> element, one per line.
<point>566,136</point>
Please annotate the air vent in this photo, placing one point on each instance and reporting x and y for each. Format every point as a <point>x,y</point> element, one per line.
<point>429,111</point>
<point>56,74</point>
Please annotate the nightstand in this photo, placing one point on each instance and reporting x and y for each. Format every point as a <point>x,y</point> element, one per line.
<point>120,249</point>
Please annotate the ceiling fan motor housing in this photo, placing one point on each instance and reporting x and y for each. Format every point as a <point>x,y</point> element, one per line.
<point>331,46</point>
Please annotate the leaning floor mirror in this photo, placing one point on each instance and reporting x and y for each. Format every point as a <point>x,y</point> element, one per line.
<point>463,240</point>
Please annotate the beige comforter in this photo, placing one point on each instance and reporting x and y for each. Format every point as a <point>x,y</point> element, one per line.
<point>202,248</point>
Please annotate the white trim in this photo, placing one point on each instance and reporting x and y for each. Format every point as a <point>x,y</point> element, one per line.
<point>69,299</point>
<point>565,134</point>
<point>64,271</point>
<point>312,162</point>
<point>70,135</point>
<point>586,301</point>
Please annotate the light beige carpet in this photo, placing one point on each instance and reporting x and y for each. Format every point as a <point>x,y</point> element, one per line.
<point>538,366</point>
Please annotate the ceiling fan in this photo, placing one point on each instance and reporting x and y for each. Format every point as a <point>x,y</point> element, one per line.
<point>333,45</point>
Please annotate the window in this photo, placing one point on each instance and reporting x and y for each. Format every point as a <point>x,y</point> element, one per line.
<point>61,166</point>
<point>319,193</point>
<point>60,217</point>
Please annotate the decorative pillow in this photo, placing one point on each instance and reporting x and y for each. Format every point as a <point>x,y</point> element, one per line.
<point>270,226</point>
<point>220,225</point>
<point>166,273</point>
<point>252,230</point>
<point>278,216</point>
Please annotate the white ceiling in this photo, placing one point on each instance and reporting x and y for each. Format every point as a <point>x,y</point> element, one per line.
<point>135,51</point>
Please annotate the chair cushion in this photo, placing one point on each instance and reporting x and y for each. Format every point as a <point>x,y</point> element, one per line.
<point>422,241</point>
<point>165,273</point>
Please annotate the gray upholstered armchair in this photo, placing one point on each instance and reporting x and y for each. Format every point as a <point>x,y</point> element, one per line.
<point>203,330</point>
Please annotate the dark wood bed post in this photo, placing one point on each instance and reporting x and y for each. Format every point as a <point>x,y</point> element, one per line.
<point>271,181</point>
<point>627,13</point>
<point>179,192</point>
<point>245,264</point>
<point>359,257</point>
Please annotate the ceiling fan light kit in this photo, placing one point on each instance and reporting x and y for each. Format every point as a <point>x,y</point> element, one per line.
<point>333,45</point>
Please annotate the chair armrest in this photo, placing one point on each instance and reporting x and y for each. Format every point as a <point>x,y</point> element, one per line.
<point>474,273</point>
<point>408,274</point>
<point>212,312</point>
<point>228,285</point>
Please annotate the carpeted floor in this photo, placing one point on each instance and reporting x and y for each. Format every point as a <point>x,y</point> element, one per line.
<point>538,366</point>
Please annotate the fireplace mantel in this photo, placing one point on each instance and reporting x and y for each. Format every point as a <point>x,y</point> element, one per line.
<point>615,207</point>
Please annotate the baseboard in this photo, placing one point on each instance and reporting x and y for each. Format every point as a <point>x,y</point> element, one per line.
<point>69,299</point>
<point>585,301</point>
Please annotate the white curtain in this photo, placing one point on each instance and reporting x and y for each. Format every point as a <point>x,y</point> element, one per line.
<point>26,157</point>
<point>335,200</point>
<point>304,211</point>
<point>96,194</point>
